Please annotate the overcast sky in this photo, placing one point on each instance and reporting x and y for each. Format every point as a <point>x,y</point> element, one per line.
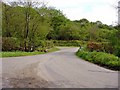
<point>93,10</point>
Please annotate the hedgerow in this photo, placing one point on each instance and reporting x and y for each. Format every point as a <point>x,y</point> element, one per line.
<point>76,43</point>
<point>103,59</point>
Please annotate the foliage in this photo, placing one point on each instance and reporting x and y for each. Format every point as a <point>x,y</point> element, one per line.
<point>20,53</point>
<point>69,32</point>
<point>57,20</point>
<point>25,23</point>
<point>47,44</point>
<point>10,44</point>
<point>114,40</point>
<point>103,59</point>
<point>68,43</point>
<point>44,45</point>
<point>94,46</point>
<point>100,47</point>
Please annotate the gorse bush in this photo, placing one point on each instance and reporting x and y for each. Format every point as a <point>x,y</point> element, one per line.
<point>103,59</point>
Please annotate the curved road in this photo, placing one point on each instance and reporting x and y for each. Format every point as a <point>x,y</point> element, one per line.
<point>60,69</point>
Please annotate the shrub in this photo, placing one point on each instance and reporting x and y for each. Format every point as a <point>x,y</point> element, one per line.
<point>103,59</point>
<point>100,47</point>
<point>44,45</point>
<point>117,51</point>
<point>94,46</point>
<point>49,44</point>
<point>108,47</point>
<point>68,43</point>
<point>10,43</point>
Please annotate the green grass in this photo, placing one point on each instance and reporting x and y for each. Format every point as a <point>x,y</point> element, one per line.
<point>53,49</point>
<point>100,58</point>
<point>20,53</point>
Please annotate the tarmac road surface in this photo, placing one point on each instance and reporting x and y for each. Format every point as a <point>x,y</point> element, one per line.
<point>60,69</point>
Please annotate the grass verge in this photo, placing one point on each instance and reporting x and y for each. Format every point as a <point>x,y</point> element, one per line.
<point>53,49</point>
<point>20,53</point>
<point>106,60</point>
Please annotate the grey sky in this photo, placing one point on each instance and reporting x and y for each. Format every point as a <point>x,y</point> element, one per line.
<point>93,10</point>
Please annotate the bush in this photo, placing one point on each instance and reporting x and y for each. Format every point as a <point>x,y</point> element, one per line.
<point>49,44</point>
<point>117,51</point>
<point>94,46</point>
<point>100,47</point>
<point>13,44</point>
<point>44,45</point>
<point>10,44</point>
<point>103,59</point>
<point>76,43</point>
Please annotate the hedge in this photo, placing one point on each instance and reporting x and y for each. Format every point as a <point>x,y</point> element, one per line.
<point>13,44</point>
<point>103,59</point>
<point>76,43</point>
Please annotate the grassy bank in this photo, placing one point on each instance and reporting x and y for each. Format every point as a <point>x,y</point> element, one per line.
<point>100,58</point>
<point>20,53</point>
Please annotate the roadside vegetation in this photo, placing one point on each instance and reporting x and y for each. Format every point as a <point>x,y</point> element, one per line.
<point>75,43</point>
<point>18,53</point>
<point>100,58</point>
<point>22,53</point>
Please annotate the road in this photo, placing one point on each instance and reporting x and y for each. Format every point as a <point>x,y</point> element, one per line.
<point>60,69</point>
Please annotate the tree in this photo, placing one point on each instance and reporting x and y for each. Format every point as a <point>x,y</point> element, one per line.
<point>57,19</point>
<point>68,32</point>
<point>24,21</point>
<point>6,19</point>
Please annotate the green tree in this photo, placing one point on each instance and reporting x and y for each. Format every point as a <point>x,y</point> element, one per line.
<point>57,19</point>
<point>24,21</point>
<point>6,19</point>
